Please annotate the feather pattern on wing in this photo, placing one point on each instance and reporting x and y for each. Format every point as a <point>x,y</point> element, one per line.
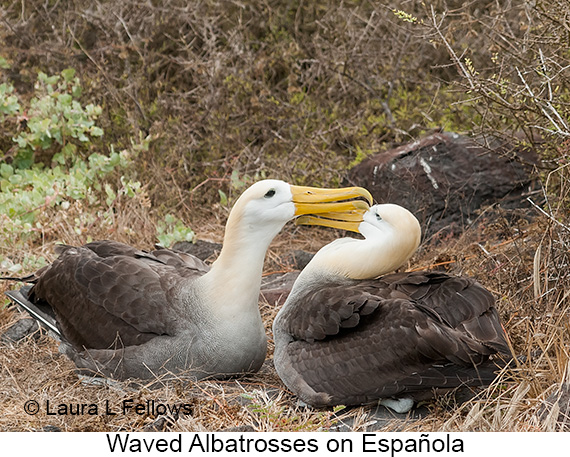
<point>115,290</point>
<point>403,333</point>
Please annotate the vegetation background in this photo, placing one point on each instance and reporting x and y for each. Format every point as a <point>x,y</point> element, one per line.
<point>143,121</point>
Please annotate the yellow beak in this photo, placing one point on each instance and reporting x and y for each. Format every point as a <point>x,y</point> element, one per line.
<point>347,220</point>
<point>340,208</point>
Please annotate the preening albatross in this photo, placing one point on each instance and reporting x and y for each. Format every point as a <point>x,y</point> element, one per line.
<point>125,313</point>
<point>347,335</point>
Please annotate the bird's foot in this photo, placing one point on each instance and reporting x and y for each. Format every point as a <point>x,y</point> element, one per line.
<point>90,380</point>
<point>398,405</point>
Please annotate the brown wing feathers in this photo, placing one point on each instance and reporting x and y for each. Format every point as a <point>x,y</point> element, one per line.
<point>420,331</point>
<point>116,291</point>
<point>328,312</point>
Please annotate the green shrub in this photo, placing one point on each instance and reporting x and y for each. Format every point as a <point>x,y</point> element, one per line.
<point>53,124</point>
<point>172,229</point>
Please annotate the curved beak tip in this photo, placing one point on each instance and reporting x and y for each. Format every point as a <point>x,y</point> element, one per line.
<point>312,200</point>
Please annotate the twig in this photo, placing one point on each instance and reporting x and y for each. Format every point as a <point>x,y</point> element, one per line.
<point>488,254</point>
<point>456,59</point>
<point>130,36</point>
<point>48,201</point>
<point>207,180</point>
<point>180,195</point>
<point>112,89</point>
<point>566,131</point>
<point>215,400</point>
<point>549,216</point>
<point>536,272</point>
<point>469,257</point>
<point>548,80</point>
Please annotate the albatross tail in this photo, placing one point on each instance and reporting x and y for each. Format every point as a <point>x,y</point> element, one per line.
<point>42,313</point>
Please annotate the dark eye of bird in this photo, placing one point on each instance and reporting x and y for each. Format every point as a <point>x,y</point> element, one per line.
<point>270,193</point>
<point>378,217</point>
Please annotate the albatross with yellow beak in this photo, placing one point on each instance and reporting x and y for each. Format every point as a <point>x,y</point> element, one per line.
<point>347,335</point>
<point>124,313</point>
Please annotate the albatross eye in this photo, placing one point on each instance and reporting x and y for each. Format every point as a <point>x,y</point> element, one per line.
<point>378,217</point>
<point>270,193</point>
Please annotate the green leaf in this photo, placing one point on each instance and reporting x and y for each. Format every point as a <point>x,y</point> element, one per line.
<point>68,74</point>
<point>59,158</point>
<point>6,170</point>
<point>76,91</point>
<point>237,183</point>
<point>223,197</point>
<point>96,131</point>
<point>24,158</point>
<point>111,195</point>
<point>65,99</point>
<point>47,80</point>
<point>69,150</point>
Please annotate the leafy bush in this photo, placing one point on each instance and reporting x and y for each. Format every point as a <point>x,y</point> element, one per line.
<point>53,120</point>
<point>292,90</point>
<point>172,229</point>
<point>9,105</point>
<point>54,125</point>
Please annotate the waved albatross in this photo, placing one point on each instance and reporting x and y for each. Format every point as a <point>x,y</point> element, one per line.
<point>347,335</point>
<point>123,313</point>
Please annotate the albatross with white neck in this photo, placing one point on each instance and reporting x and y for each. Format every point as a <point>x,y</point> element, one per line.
<point>348,335</point>
<point>122,312</point>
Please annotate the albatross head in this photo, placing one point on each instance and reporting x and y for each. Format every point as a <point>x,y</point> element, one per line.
<point>265,207</point>
<point>393,222</point>
<point>391,236</point>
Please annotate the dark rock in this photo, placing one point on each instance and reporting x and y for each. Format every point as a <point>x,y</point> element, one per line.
<point>297,259</point>
<point>204,250</point>
<point>239,429</point>
<point>445,178</point>
<point>51,428</point>
<point>275,288</point>
<point>157,425</point>
<point>20,330</point>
